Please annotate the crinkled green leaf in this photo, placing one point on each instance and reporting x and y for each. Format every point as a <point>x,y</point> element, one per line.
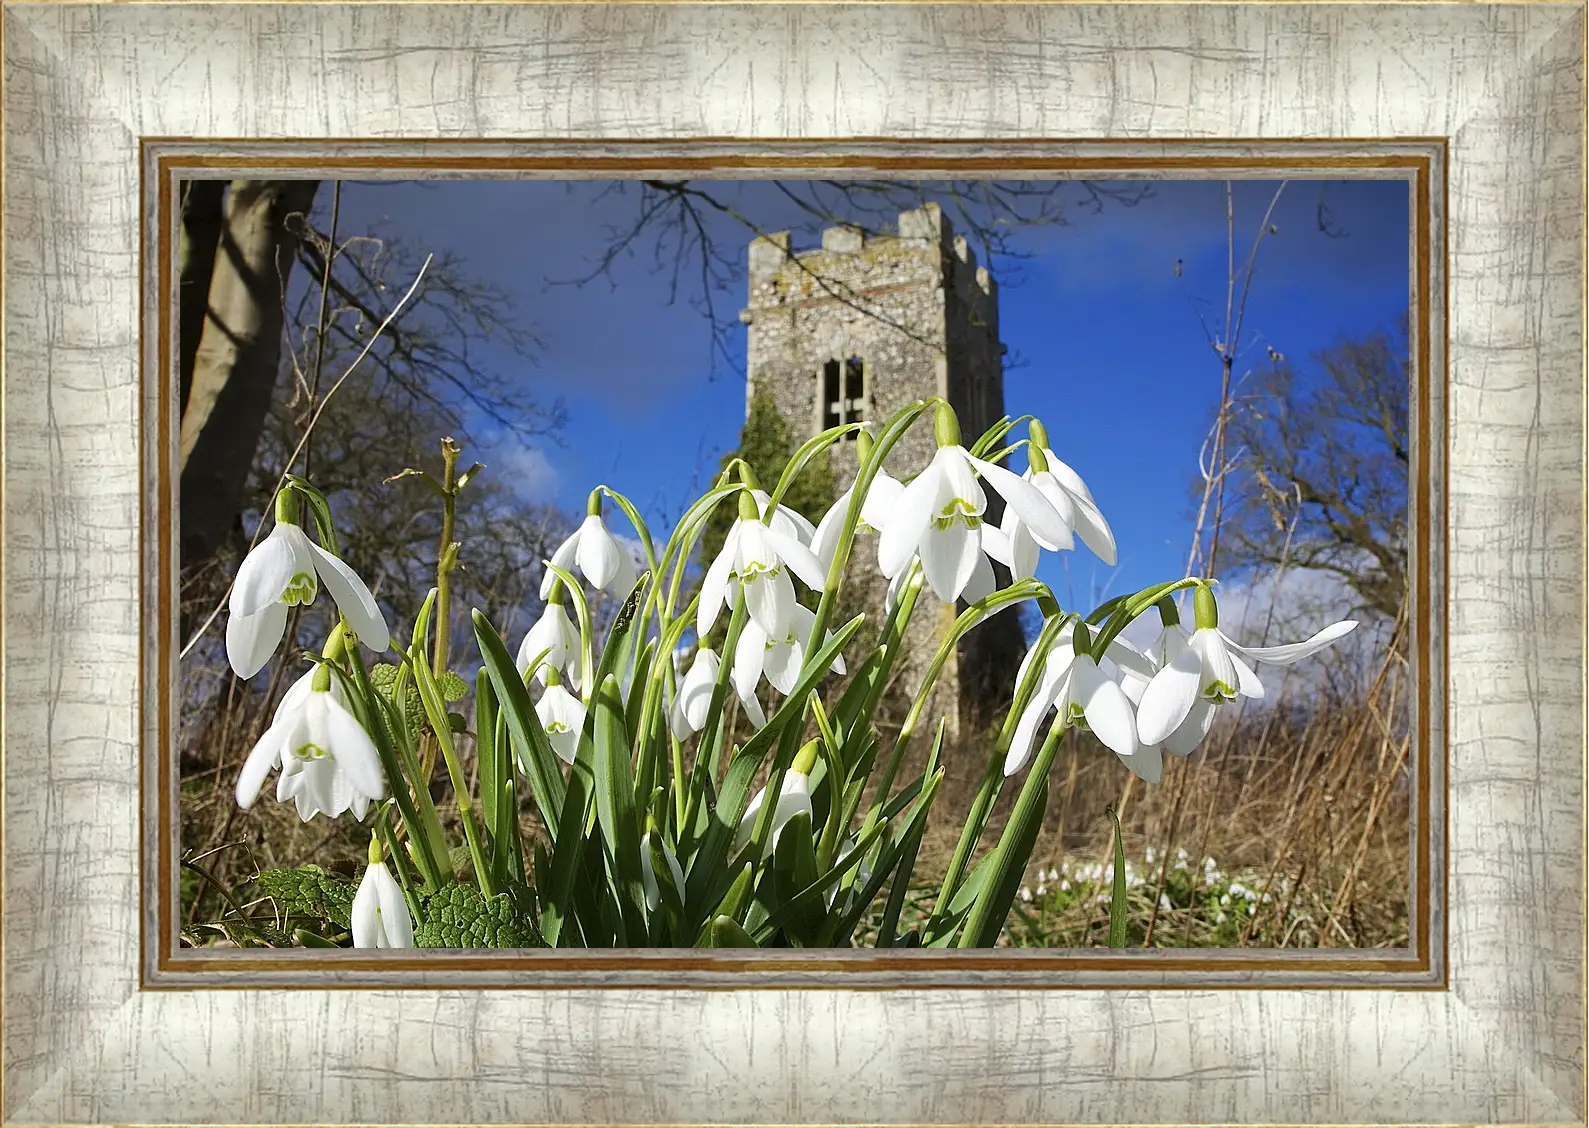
<point>459,917</point>
<point>310,892</point>
<point>453,687</point>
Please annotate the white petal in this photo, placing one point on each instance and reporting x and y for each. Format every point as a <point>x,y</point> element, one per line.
<point>912,517</point>
<point>825,541</point>
<point>353,599</point>
<point>598,555</point>
<point>1066,476</point>
<point>1030,505</point>
<point>715,583</point>
<point>1146,763</point>
<point>1094,530</point>
<point>800,559</point>
<point>1169,696</point>
<point>794,798</point>
<point>1023,551</point>
<point>1209,645</point>
<point>264,756</point>
<point>1106,707</point>
<point>1056,496</point>
<point>1295,651</point>
<point>351,746</point>
<point>1247,683</point>
<point>748,658</point>
<point>982,582</point>
<point>1025,734</point>
<point>948,557</point>
<point>770,601</point>
<point>252,639</point>
<point>881,499</point>
<point>265,573</point>
<point>695,696</point>
<point>781,663</point>
<point>752,707</point>
<point>366,914</point>
<point>396,923</point>
<point>564,558</point>
<point>1191,732</point>
<point>1130,659</point>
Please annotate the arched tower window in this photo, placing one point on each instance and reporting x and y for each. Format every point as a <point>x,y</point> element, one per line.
<point>843,392</point>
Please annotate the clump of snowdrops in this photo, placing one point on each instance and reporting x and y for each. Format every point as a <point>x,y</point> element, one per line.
<point>652,834</point>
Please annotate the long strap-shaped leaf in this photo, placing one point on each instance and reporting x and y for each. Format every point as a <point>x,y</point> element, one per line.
<point>615,809</point>
<point>545,777</point>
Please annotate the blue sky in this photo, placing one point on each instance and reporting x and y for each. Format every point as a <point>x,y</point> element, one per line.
<point>1110,349</point>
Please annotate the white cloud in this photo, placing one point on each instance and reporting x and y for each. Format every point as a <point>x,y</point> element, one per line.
<point>526,471</point>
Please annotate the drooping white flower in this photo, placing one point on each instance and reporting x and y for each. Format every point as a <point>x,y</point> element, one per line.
<point>379,915</point>
<point>1170,644</point>
<point>690,708</point>
<point>939,516</point>
<point>1209,668</point>
<point>881,497</point>
<point>556,634</point>
<point>785,520</point>
<point>328,762</point>
<point>779,658</point>
<point>794,798</point>
<point>648,873</point>
<point>1069,495</point>
<point>285,570</point>
<point>562,716</point>
<point>604,562</point>
<point>757,559</point>
<point>1085,696</point>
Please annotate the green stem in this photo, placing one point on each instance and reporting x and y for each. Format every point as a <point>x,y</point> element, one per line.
<point>446,556</point>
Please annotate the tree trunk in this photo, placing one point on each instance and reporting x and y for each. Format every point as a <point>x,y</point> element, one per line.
<point>237,354</point>
<point>201,233</point>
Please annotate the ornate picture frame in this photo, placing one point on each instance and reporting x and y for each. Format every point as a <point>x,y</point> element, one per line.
<point>1481,1020</point>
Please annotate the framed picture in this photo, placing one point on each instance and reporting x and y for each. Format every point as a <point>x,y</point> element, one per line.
<point>979,563</point>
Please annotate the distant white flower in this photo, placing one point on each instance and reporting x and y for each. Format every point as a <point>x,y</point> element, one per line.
<point>758,559</point>
<point>939,516</point>
<point>794,798</point>
<point>562,716</point>
<point>328,762</point>
<point>285,570</point>
<point>604,562</point>
<point>379,915</point>
<point>556,634</point>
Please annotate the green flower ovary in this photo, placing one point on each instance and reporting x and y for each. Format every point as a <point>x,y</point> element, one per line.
<point>300,590</point>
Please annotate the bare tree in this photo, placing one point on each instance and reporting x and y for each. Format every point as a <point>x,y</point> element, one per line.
<point>1327,448</point>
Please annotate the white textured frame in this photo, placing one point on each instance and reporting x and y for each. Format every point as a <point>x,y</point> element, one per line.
<point>1503,1043</point>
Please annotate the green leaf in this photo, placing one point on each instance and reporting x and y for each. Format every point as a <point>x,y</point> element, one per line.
<point>794,869</point>
<point>458,916</point>
<point>453,688</point>
<point>310,892</point>
<point>615,812</point>
<point>1117,896</point>
<point>726,933</point>
<point>529,739</point>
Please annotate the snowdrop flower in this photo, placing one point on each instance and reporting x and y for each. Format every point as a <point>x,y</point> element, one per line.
<point>1085,696</point>
<point>939,515</point>
<point>555,634</point>
<point>881,497</point>
<point>1184,739</point>
<point>562,715</point>
<point>604,562</point>
<point>757,559</point>
<point>648,873</point>
<point>690,708</point>
<point>794,798</point>
<point>328,762</point>
<point>285,570</point>
<point>780,658</point>
<point>1208,669</point>
<point>379,915</point>
<point>1068,494</point>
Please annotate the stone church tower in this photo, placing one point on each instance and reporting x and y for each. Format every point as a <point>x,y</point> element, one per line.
<point>854,331</point>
